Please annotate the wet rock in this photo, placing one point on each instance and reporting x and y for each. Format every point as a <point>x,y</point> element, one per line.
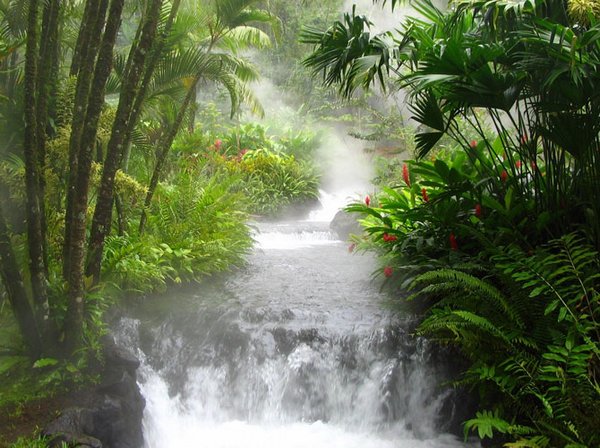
<point>114,419</point>
<point>116,357</point>
<point>345,224</point>
<point>74,440</point>
<point>71,421</point>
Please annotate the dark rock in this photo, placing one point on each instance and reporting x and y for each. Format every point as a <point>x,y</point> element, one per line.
<point>74,440</point>
<point>345,224</point>
<point>71,421</point>
<point>114,420</point>
<point>116,357</point>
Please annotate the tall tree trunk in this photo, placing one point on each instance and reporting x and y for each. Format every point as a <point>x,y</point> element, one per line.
<point>132,97</point>
<point>75,309</point>
<point>90,12</point>
<point>165,146</point>
<point>90,35</point>
<point>48,45</point>
<point>32,172</point>
<point>15,290</point>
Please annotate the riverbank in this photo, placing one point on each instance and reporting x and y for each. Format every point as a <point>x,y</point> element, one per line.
<point>104,410</point>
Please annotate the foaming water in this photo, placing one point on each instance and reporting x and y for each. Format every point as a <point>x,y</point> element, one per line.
<point>295,350</point>
<point>285,237</point>
<point>330,204</point>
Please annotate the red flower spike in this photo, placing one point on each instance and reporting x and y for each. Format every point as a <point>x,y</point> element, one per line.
<point>424,194</point>
<point>473,144</point>
<point>218,144</point>
<point>389,238</point>
<point>367,200</point>
<point>504,176</point>
<point>388,271</point>
<point>478,210</point>
<point>524,139</point>
<point>453,242</point>
<point>405,175</point>
<point>518,164</point>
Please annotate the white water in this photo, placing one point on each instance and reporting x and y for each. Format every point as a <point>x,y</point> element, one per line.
<point>295,351</point>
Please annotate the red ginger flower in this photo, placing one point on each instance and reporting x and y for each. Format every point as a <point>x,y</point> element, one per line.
<point>405,175</point>
<point>478,211</point>
<point>389,238</point>
<point>453,242</point>
<point>504,176</point>
<point>518,164</point>
<point>424,194</point>
<point>473,144</point>
<point>367,200</point>
<point>388,271</point>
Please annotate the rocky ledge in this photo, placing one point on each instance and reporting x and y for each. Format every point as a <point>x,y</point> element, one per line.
<point>114,419</point>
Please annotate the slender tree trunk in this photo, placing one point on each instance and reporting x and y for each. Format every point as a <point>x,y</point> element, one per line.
<point>32,173</point>
<point>46,63</point>
<point>90,36</point>
<point>15,290</point>
<point>75,310</point>
<point>120,214</point>
<point>81,46</point>
<point>165,146</point>
<point>125,120</point>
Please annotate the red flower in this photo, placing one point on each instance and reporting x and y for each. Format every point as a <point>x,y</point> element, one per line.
<point>533,165</point>
<point>388,271</point>
<point>351,247</point>
<point>478,211</point>
<point>218,144</point>
<point>367,200</point>
<point>405,175</point>
<point>424,194</point>
<point>518,164</point>
<point>389,238</point>
<point>504,176</point>
<point>473,144</point>
<point>524,139</point>
<point>453,243</point>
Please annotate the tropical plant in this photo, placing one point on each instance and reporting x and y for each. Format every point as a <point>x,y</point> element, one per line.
<point>530,329</point>
<point>518,68</point>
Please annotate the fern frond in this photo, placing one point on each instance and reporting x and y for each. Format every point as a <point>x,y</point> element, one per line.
<point>451,279</point>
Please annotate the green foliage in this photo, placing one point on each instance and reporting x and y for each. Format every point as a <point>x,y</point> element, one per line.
<point>265,168</point>
<point>196,227</point>
<point>533,338</point>
<point>531,68</point>
<point>273,181</point>
<point>33,443</point>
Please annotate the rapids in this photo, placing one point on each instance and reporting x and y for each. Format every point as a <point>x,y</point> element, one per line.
<point>295,350</point>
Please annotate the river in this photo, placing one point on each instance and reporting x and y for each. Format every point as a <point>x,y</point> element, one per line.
<point>297,349</point>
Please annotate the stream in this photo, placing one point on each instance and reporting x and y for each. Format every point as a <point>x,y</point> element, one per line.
<point>297,349</point>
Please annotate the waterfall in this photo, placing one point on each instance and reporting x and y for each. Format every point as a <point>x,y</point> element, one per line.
<point>297,349</point>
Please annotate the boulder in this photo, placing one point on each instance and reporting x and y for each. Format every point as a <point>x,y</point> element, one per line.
<point>74,440</point>
<point>345,224</point>
<point>114,417</point>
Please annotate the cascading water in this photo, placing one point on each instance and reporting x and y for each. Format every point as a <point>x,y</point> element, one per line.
<point>296,350</point>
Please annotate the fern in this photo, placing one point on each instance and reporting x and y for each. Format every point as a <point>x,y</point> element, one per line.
<point>454,279</point>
